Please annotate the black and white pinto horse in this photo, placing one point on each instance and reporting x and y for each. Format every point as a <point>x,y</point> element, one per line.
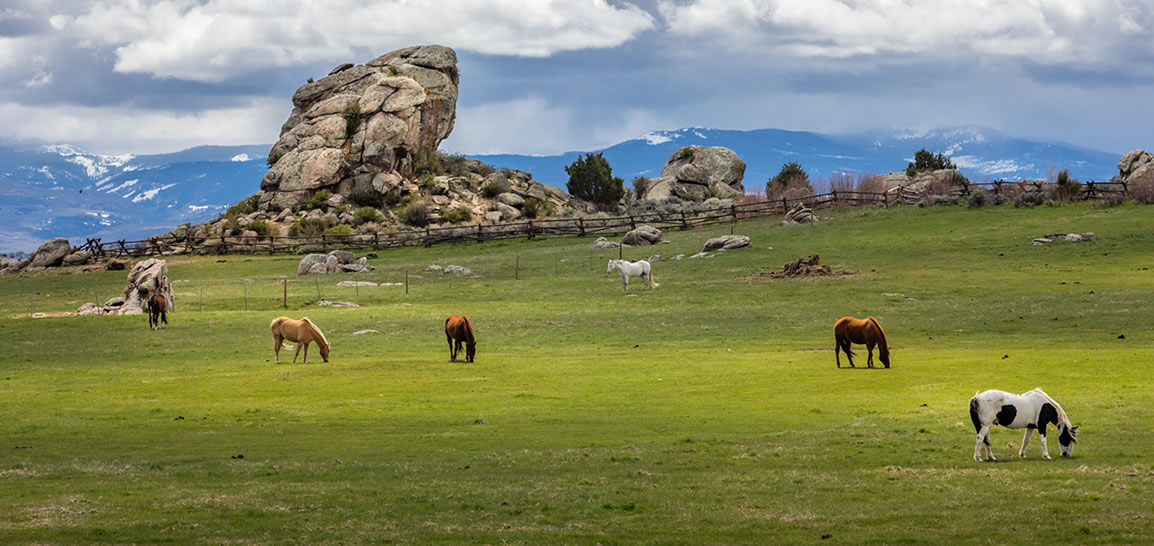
<point>1029,410</point>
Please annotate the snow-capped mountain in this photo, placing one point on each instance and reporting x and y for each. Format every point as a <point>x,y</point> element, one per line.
<point>981,154</point>
<point>60,191</point>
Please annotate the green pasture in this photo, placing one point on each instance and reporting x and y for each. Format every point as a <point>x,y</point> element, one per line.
<point>708,410</point>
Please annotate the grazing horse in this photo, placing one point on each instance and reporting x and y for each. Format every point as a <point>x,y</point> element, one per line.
<point>459,330</point>
<point>865,331</point>
<point>1029,410</point>
<point>157,305</point>
<point>302,332</point>
<point>640,268</point>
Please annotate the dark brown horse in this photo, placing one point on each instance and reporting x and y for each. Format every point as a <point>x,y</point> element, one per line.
<point>459,330</point>
<point>157,307</point>
<point>865,331</point>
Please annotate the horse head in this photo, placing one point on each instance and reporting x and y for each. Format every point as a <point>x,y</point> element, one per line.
<point>324,351</point>
<point>1066,438</point>
<point>470,351</point>
<point>612,264</point>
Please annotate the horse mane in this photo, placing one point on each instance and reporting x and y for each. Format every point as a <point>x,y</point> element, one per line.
<point>315,328</point>
<point>470,337</point>
<point>1062,419</point>
<point>885,346</point>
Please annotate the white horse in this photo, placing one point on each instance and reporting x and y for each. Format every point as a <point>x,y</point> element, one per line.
<point>640,268</point>
<point>1029,410</point>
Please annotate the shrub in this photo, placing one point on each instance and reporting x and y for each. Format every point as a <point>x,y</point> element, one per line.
<point>364,215</point>
<point>339,229</point>
<point>318,200</point>
<point>393,71</point>
<point>945,200</point>
<point>536,208</point>
<point>1029,199</point>
<point>794,188</point>
<point>365,198</point>
<point>789,173</point>
<point>352,115</point>
<point>427,163</point>
<point>309,227</point>
<point>418,213</point>
<point>977,200</point>
<point>1141,188</point>
<point>924,160</point>
<point>457,215</point>
<point>260,227</point>
<point>273,157</point>
<point>232,227</point>
<point>639,184</point>
<point>685,153</point>
<point>494,187</point>
<point>426,181</point>
<point>393,198</point>
<point>591,178</point>
<point>247,206</point>
<point>1000,200</point>
<point>1066,188</point>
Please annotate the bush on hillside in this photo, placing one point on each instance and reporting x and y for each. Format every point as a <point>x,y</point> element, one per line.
<point>309,227</point>
<point>318,200</point>
<point>246,206</point>
<point>457,215</point>
<point>260,227</point>
<point>494,187</point>
<point>418,213</point>
<point>1029,199</point>
<point>339,229</point>
<point>790,173</point>
<point>364,215</point>
<point>924,160</point>
<point>591,178</point>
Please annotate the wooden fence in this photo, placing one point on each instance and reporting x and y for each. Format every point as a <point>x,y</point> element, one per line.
<point>230,244</point>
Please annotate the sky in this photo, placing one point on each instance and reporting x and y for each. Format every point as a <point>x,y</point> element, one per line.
<point>545,76</point>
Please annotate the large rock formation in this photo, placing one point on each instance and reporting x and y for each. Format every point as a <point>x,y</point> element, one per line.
<point>148,276</point>
<point>696,172</point>
<point>363,128</point>
<point>1138,164</point>
<point>51,253</point>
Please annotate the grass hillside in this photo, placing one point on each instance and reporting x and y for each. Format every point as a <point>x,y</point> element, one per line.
<point>708,410</point>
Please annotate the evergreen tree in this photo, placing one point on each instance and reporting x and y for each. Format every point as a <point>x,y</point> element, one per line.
<point>591,178</point>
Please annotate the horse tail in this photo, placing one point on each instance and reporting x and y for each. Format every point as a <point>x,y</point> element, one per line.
<point>1062,419</point>
<point>974,413</point>
<point>884,347</point>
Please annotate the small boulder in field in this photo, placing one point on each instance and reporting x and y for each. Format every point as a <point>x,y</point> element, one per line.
<point>726,242</point>
<point>642,236</point>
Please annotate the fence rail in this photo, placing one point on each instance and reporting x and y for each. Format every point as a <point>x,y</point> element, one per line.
<point>235,244</point>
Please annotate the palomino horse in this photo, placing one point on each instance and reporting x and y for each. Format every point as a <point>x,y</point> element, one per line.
<point>156,311</point>
<point>1029,410</point>
<point>865,331</point>
<point>640,268</point>
<point>302,332</point>
<point>459,330</point>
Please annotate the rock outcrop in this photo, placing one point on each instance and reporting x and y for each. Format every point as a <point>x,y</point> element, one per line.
<point>799,214</point>
<point>695,173</point>
<point>147,276</point>
<point>363,128</point>
<point>336,261</point>
<point>923,184</point>
<point>726,242</point>
<point>1135,165</point>
<point>51,253</point>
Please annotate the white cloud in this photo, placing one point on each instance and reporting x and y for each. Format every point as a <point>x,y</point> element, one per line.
<point>116,129</point>
<point>211,40</point>
<point>1043,31</point>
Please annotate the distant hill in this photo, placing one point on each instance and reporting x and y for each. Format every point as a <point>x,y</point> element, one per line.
<point>981,154</point>
<point>59,191</point>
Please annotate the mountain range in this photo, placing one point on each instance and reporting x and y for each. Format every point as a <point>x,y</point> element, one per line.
<point>60,191</point>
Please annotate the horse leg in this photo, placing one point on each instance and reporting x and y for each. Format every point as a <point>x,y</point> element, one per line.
<point>277,341</point>
<point>837,351</point>
<point>846,345</point>
<point>983,438</point>
<point>1042,440</point>
<point>306,360</point>
<point>1026,441</point>
<point>452,353</point>
<point>869,354</point>
<point>298,351</point>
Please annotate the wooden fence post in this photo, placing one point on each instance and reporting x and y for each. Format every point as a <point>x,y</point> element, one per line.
<point>581,227</point>
<point>406,281</point>
<point>517,269</point>
<point>285,281</point>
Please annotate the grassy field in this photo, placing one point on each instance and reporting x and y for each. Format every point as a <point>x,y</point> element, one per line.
<point>708,410</point>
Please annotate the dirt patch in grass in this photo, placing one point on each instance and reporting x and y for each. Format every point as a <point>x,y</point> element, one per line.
<point>807,267</point>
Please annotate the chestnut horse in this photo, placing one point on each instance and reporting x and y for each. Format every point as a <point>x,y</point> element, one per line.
<point>458,329</point>
<point>865,331</point>
<point>302,332</point>
<point>157,305</point>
